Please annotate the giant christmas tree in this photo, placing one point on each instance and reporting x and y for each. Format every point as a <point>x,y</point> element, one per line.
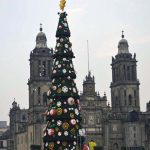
<point>63,114</point>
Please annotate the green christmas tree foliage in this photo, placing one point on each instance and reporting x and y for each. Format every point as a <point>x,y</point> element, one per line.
<point>63,114</point>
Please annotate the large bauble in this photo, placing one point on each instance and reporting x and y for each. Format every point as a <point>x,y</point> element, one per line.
<point>70,101</point>
<point>51,132</point>
<point>52,112</point>
<point>73,121</point>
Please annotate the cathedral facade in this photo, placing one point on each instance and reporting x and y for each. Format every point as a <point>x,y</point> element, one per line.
<point>119,126</point>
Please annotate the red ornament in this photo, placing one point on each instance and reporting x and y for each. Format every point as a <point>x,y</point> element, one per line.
<point>70,101</point>
<point>85,147</point>
<point>73,121</point>
<point>60,27</point>
<point>51,132</point>
<point>52,112</point>
<point>65,110</point>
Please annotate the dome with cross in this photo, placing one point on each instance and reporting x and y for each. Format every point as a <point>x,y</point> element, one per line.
<point>123,46</point>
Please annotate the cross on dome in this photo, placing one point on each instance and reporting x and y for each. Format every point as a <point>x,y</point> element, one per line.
<point>41,29</point>
<point>122,34</point>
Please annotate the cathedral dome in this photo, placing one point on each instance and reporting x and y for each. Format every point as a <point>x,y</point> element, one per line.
<point>41,40</point>
<point>123,46</point>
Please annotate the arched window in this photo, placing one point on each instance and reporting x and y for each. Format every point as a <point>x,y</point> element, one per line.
<point>39,90</point>
<point>133,72</point>
<point>125,93</point>
<point>134,93</point>
<point>45,99</point>
<point>124,72</point>
<point>117,101</point>
<point>115,146</point>
<point>23,117</point>
<point>43,68</point>
<point>130,99</point>
<point>128,72</point>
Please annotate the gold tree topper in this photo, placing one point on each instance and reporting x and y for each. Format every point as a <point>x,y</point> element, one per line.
<point>62,4</point>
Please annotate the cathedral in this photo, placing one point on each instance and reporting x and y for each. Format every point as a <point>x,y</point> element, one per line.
<point>119,126</point>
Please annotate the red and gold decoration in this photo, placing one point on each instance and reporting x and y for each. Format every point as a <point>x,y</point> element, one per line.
<point>63,114</point>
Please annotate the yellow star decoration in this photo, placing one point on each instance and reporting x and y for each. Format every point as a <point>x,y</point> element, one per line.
<point>62,4</point>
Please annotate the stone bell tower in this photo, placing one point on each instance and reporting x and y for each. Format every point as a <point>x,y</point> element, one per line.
<point>40,77</point>
<point>124,85</point>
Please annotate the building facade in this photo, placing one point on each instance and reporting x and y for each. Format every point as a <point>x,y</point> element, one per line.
<point>26,125</point>
<point>4,136</point>
<point>119,126</point>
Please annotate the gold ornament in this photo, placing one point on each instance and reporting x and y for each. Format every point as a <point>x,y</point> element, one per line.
<point>62,4</point>
<point>60,148</point>
<point>56,129</point>
<point>71,115</point>
<point>51,145</point>
<point>64,143</point>
<point>72,131</point>
<point>49,123</point>
<point>77,127</point>
<point>59,91</point>
<point>65,126</point>
<point>59,111</point>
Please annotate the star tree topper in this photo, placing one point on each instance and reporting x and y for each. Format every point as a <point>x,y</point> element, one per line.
<point>62,4</point>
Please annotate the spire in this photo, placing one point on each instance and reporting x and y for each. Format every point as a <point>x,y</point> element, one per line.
<point>123,46</point>
<point>89,78</point>
<point>41,40</point>
<point>88,56</point>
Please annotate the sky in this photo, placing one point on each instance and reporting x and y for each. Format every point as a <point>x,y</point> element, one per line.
<point>99,21</point>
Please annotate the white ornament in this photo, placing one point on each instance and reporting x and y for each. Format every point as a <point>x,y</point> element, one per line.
<point>66,45</point>
<point>54,71</point>
<point>59,66</point>
<point>65,24</point>
<point>58,104</point>
<point>64,70</point>
<point>61,40</point>
<point>76,111</point>
<point>71,65</point>
<point>59,123</point>
<point>66,133</point>
<point>65,19</point>
<point>58,44</point>
<point>57,62</point>
<point>59,133</point>
<point>54,88</point>
<point>64,89</point>
<point>48,93</point>
<point>74,90</point>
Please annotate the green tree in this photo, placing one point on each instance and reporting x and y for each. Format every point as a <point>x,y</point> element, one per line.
<point>63,114</point>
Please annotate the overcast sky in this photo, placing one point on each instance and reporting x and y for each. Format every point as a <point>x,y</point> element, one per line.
<point>99,21</point>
